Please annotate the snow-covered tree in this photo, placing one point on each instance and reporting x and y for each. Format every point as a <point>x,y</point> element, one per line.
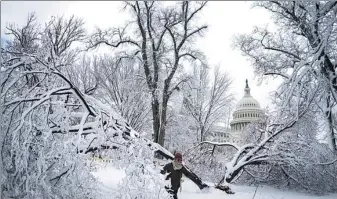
<point>181,132</point>
<point>43,116</point>
<point>302,51</point>
<point>82,76</point>
<point>161,38</point>
<point>26,38</point>
<point>277,154</point>
<point>302,162</point>
<point>117,82</point>
<point>207,99</point>
<point>124,87</point>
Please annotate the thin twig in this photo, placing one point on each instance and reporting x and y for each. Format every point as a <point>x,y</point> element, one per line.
<point>255,191</point>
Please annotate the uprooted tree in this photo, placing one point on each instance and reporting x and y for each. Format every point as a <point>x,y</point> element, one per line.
<point>50,129</point>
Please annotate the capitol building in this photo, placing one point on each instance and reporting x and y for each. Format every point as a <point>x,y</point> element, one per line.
<point>247,111</point>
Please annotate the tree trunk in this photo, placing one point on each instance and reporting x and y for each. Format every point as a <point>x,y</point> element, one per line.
<point>156,119</point>
<point>163,120</point>
<point>162,135</point>
<point>230,178</point>
<point>236,172</point>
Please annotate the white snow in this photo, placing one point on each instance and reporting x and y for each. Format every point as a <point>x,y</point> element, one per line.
<point>110,177</point>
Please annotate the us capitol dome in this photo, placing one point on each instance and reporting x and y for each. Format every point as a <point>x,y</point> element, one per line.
<point>247,111</point>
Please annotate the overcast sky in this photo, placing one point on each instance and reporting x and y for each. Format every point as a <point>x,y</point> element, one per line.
<point>225,19</point>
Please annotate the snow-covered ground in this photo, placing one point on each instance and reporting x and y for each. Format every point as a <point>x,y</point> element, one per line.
<point>110,177</point>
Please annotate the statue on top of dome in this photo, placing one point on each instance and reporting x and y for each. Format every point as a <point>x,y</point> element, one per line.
<point>247,89</point>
